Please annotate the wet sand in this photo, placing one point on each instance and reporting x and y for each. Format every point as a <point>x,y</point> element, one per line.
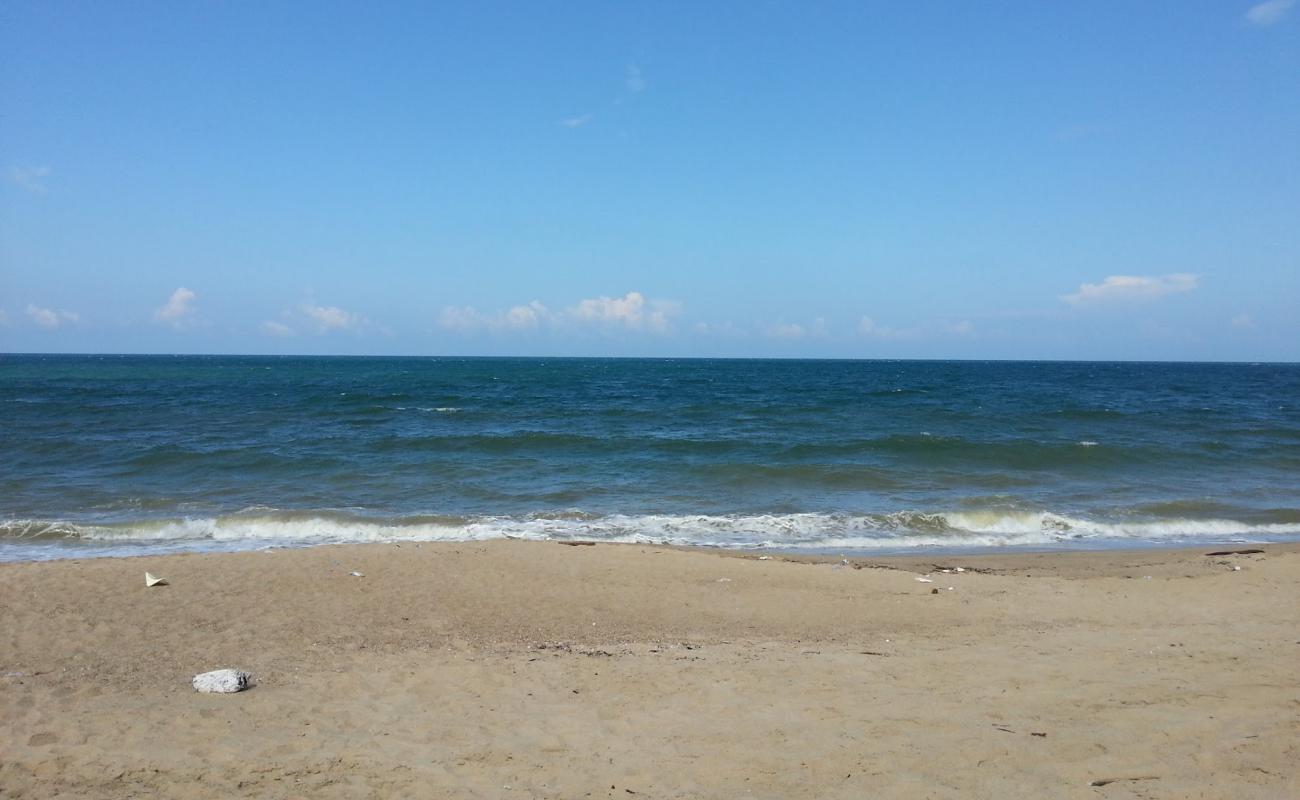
<point>524,669</point>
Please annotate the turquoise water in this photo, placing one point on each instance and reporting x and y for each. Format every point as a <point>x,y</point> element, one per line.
<point>108,455</point>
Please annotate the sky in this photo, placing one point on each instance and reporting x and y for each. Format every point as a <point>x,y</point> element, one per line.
<point>1063,180</point>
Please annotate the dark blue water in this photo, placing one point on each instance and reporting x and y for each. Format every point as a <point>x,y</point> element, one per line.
<point>130,454</point>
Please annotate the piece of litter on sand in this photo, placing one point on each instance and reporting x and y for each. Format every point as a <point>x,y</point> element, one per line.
<point>222,681</point>
<point>153,580</point>
<point>764,558</point>
<point>356,574</point>
<point>1105,781</point>
<point>1236,568</point>
<point>924,579</point>
<point>724,580</point>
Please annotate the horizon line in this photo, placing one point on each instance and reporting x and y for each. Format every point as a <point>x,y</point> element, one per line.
<point>658,358</point>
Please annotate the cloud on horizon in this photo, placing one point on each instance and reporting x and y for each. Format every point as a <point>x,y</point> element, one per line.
<point>795,330</point>
<point>331,318</point>
<point>1131,288</point>
<point>178,309</point>
<point>1269,12</point>
<point>273,328</point>
<point>870,328</point>
<point>960,328</point>
<point>633,312</point>
<point>786,330</point>
<point>468,319</point>
<point>49,318</point>
<point>317,319</point>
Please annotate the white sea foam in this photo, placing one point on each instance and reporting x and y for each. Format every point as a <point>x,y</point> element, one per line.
<point>431,409</point>
<point>965,529</point>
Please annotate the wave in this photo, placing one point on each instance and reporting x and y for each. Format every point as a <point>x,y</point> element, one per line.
<point>898,530</point>
<point>430,409</point>
<point>919,449</point>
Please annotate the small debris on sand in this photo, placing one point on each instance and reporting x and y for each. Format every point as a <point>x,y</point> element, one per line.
<point>222,681</point>
<point>1105,781</point>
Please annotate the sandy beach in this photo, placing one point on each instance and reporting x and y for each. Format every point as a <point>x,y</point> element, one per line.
<point>526,669</point>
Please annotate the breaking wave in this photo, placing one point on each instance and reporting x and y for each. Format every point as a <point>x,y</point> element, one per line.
<point>810,531</point>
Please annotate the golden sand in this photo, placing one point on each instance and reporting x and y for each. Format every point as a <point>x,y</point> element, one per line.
<point>521,669</point>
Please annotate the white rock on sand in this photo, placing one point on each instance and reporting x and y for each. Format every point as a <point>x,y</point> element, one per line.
<point>222,681</point>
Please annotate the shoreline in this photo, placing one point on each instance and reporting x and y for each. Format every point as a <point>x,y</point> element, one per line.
<point>99,550</point>
<point>458,669</point>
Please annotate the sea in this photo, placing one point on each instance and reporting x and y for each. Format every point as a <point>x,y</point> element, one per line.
<point>138,455</point>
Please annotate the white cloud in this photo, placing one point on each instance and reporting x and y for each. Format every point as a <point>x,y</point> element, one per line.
<point>1269,12</point>
<point>272,328</point>
<point>633,79</point>
<point>1118,288</point>
<point>177,309</point>
<point>468,319</point>
<point>32,178</point>
<point>577,122</point>
<point>869,327</point>
<point>962,328</point>
<point>786,330</point>
<point>727,329</point>
<point>523,317</point>
<point>465,319</point>
<point>795,330</point>
<point>1244,322</point>
<point>633,311</point>
<point>49,318</point>
<point>331,318</point>
<point>630,311</point>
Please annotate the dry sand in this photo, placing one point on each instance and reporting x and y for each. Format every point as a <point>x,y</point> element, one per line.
<point>516,669</point>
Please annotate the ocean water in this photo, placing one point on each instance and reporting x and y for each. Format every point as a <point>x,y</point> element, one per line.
<point>125,455</point>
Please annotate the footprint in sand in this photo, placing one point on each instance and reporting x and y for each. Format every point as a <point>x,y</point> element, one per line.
<point>42,739</point>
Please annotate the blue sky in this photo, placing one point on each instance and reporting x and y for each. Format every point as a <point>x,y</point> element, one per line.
<point>861,179</point>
